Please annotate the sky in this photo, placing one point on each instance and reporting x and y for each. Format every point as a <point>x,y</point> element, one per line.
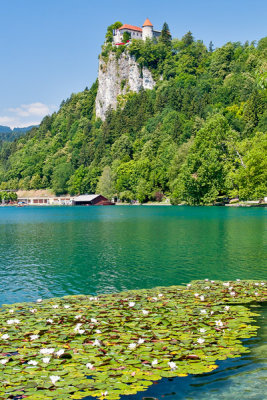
<point>49,48</point>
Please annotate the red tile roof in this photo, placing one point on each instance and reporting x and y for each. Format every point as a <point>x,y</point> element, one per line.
<point>131,27</point>
<point>147,23</point>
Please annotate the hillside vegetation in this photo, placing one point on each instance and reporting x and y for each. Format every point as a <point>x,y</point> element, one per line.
<point>198,135</point>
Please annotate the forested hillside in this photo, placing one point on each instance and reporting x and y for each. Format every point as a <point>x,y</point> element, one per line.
<point>8,134</point>
<point>198,135</point>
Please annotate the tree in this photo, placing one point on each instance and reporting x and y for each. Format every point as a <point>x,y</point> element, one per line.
<point>188,39</point>
<point>126,36</point>
<point>105,184</point>
<point>165,36</point>
<point>109,34</point>
<point>211,47</point>
<point>60,177</point>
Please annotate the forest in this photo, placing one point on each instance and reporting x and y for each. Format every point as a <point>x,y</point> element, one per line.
<point>198,136</point>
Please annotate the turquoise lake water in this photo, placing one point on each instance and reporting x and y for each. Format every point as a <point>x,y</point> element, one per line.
<point>47,252</point>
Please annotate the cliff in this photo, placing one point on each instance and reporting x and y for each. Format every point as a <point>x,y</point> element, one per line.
<point>118,77</point>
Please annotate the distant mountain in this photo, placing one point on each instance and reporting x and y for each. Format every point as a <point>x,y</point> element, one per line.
<point>7,134</point>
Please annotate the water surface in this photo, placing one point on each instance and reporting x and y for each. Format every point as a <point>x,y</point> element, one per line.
<point>47,252</point>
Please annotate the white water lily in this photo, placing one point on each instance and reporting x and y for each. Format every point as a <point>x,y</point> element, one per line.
<point>154,362</point>
<point>46,360</point>
<point>227,308</point>
<point>226,284</point>
<point>39,300</point>
<point>189,285</point>
<point>207,287</point>
<point>33,310</point>
<point>93,298</point>
<point>77,327</point>
<point>55,306</point>
<point>196,294</point>
<point>232,293</point>
<point>202,298</point>
<point>132,346</point>
<point>219,323</point>
<point>4,361</point>
<point>54,379</point>
<point>131,304</point>
<point>160,295</point>
<point>5,336</point>
<point>155,298</point>
<point>32,362</point>
<point>13,321</point>
<point>104,393</point>
<point>47,351</point>
<point>203,312</point>
<point>90,366</point>
<point>78,317</point>
<point>94,321</point>
<point>230,288</point>
<point>206,280</point>
<point>141,341</point>
<point>96,343</point>
<point>238,280</point>
<point>200,340</point>
<point>212,312</point>
<point>50,321</point>
<point>33,337</point>
<point>256,284</point>
<point>66,306</point>
<point>98,331</point>
<point>145,312</point>
<point>172,365</point>
<point>80,331</point>
<point>60,352</point>
<point>212,281</point>
<point>11,311</point>
<point>262,283</point>
<point>256,293</point>
<point>202,330</point>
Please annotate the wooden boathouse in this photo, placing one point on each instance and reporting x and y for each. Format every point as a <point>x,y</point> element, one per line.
<point>91,200</point>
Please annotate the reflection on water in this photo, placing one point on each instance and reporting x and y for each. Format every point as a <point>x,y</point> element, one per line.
<point>46,252</point>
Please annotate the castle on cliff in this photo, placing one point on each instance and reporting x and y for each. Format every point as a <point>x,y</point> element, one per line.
<point>136,32</point>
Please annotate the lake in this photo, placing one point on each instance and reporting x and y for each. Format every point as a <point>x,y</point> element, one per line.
<point>47,252</point>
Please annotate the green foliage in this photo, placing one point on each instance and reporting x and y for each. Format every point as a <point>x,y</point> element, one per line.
<point>165,36</point>
<point>126,36</point>
<point>185,138</point>
<point>119,344</point>
<point>109,34</point>
<point>6,197</point>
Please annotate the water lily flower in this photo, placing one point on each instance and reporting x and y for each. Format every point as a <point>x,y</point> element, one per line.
<point>5,336</point>
<point>33,337</point>
<point>13,321</point>
<point>155,298</point>
<point>60,352</point>
<point>90,366</point>
<point>232,293</point>
<point>256,293</point>
<point>11,311</point>
<point>196,294</point>
<point>206,280</point>
<point>50,321</point>
<point>145,312</point>
<point>172,365</point>
<point>207,287</point>
<point>98,331</point>
<point>67,306</point>
<point>256,284</point>
<point>212,281</point>
<point>55,306</point>
<point>189,285</point>
<point>33,310</point>
<point>202,330</point>
<point>131,304</point>
<point>94,321</point>
<point>140,341</point>
<point>39,300</point>
<point>203,312</point>
<point>78,317</point>
<point>93,298</point>
<point>226,284</point>
<point>230,288</point>
<point>238,280</point>
<point>202,298</point>
<point>262,283</point>
<point>46,360</point>
<point>200,340</point>
<point>160,295</point>
<point>4,361</point>
<point>77,327</point>
<point>219,323</point>
<point>132,346</point>
<point>96,343</point>
<point>47,351</point>
<point>154,362</point>
<point>32,362</point>
<point>80,331</point>
<point>54,379</point>
<point>212,312</point>
<point>104,393</point>
<point>227,308</point>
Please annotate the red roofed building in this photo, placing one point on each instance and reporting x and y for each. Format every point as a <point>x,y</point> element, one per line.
<point>136,32</point>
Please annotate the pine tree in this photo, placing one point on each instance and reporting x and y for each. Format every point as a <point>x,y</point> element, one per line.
<point>165,36</point>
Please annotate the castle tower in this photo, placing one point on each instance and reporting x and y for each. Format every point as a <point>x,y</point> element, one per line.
<point>147,30</point>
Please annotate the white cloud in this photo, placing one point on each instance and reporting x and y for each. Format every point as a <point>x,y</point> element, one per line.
<point>26,114</point>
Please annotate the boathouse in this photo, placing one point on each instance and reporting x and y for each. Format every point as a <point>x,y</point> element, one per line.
<point>91,200</point>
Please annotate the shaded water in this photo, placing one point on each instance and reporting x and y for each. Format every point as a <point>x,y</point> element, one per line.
<point>47,252</point>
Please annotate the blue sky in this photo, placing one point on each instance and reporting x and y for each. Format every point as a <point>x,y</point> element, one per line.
<point>49,48</point>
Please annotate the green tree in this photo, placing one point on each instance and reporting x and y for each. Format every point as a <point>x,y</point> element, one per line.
<point>165,36</point>
<point>126,36</point>
<point>105,184</point>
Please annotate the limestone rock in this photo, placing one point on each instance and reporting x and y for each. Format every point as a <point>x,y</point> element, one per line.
<point>118,77</point>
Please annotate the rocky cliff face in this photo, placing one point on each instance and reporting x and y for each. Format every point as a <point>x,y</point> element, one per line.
<point>118,77</point>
